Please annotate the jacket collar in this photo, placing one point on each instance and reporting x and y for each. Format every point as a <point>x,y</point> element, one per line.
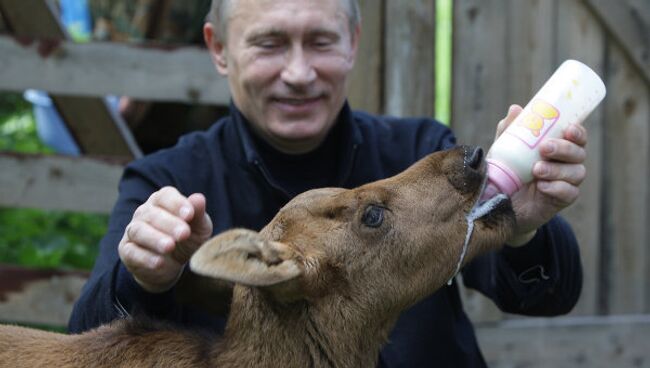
<point>350,143</point>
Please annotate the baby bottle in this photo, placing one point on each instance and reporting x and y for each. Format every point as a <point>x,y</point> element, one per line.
<point>569,96</point>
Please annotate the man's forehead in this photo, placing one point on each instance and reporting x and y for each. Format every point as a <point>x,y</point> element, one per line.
<point>258,8</point>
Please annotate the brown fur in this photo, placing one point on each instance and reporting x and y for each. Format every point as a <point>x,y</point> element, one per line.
<point>316,287</point>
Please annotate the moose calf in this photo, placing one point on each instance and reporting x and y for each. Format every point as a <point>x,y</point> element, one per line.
<point>321,285</point>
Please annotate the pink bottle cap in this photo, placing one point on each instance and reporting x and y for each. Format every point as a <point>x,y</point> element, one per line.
<point>500,180</point>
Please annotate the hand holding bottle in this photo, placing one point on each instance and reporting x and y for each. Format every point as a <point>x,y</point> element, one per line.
<point>556,179</point>
<point>544,145</point>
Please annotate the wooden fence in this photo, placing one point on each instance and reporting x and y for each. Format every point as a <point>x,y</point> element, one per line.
<point>503,51</point>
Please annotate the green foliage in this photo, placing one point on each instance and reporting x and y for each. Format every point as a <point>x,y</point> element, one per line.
<point>48,239</point>
<point>17,126</point>
<point>444,20</point>
<point>41,238</point>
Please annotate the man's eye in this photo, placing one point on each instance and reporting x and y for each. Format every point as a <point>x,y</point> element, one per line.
<point>322,43</point>
<point>373,216</point>
<point>268,43</point>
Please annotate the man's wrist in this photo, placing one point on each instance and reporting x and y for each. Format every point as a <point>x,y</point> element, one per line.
<point>158,288</point>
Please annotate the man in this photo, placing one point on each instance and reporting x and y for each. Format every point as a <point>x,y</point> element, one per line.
<point>290,130</point>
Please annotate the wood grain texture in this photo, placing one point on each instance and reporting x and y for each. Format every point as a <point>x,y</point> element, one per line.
<point>184,74</point>
<point>570,342</point>
<point>626,190</point>
<point>58,183</point>
<point>628,21</point>
<point>36,296</point>
<point>480,95</point>
<point>365,85</point>
<point>410,58</point>
<point>581,37</point>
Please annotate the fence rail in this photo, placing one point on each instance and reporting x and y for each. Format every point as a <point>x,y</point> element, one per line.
<point>183,74</point>
<point>81,184</point>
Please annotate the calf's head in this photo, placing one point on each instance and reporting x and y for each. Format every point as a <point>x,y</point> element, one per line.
<point>383,246</point>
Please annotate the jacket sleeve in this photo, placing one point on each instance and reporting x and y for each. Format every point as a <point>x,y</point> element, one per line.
<point>111,292</point>
<point>541,278</point>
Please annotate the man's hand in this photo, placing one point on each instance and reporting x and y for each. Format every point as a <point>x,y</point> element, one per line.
<point>557,179</point>
<point>162,236</point>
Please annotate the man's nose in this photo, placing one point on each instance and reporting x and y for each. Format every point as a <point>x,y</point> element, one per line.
<point>298,70</point>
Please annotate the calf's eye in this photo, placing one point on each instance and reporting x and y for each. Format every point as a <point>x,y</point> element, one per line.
<point>373,216</point>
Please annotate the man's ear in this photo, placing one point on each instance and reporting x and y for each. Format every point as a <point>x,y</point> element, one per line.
<point>354,40</point>
<point>216,47</point>
<point>244,257</point>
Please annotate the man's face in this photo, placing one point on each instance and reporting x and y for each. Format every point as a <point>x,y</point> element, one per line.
<point>287,63</point>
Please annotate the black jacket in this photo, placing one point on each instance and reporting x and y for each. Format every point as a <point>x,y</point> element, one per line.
<point>244,184</point>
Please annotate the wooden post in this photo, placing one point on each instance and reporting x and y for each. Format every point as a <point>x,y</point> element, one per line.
<point>580,37</point>
<point>410,57</point>
<point>479,93</point>
<point>365,86</point>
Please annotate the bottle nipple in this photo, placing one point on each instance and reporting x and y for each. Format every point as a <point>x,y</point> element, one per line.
<point>500,180</point>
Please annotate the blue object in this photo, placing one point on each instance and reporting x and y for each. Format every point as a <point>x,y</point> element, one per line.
<point>50,128</point>
<point>75,15</point>
<point>49,125</point>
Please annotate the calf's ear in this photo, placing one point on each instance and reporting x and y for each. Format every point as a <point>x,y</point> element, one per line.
<point>242,256</point>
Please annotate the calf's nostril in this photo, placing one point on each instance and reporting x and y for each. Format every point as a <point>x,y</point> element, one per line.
<point>475,158</point>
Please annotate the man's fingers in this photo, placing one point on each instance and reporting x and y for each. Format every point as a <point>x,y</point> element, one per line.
<point>170,199</point>
<point>149,237</point>
<point>577,134</point>
<point>201,224</point>
<point>164,221</point>
<point>563,151</point>
<point>512,114</point>
<point>135,257</point>
<point>553,171</point>
<point>561,192</point>
<point>197,201</point>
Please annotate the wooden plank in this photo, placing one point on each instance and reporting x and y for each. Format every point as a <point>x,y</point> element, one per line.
<point>43,297</point>
<point>480,97</point>
<point>32,18</point>
<point>581,37</point>
<point>365,86</point>
<point>594,342</point>
<point>646,220</point>
<point>628,22</point>
<point>96,128</point>
<point>625,189</point>
<point>58,182</point>
<point>38,18</point>
<point>184,74</point>
<point>410,57</point>
<point>530,51</point>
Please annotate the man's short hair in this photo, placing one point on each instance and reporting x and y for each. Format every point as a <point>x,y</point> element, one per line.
<point>220,11</point>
